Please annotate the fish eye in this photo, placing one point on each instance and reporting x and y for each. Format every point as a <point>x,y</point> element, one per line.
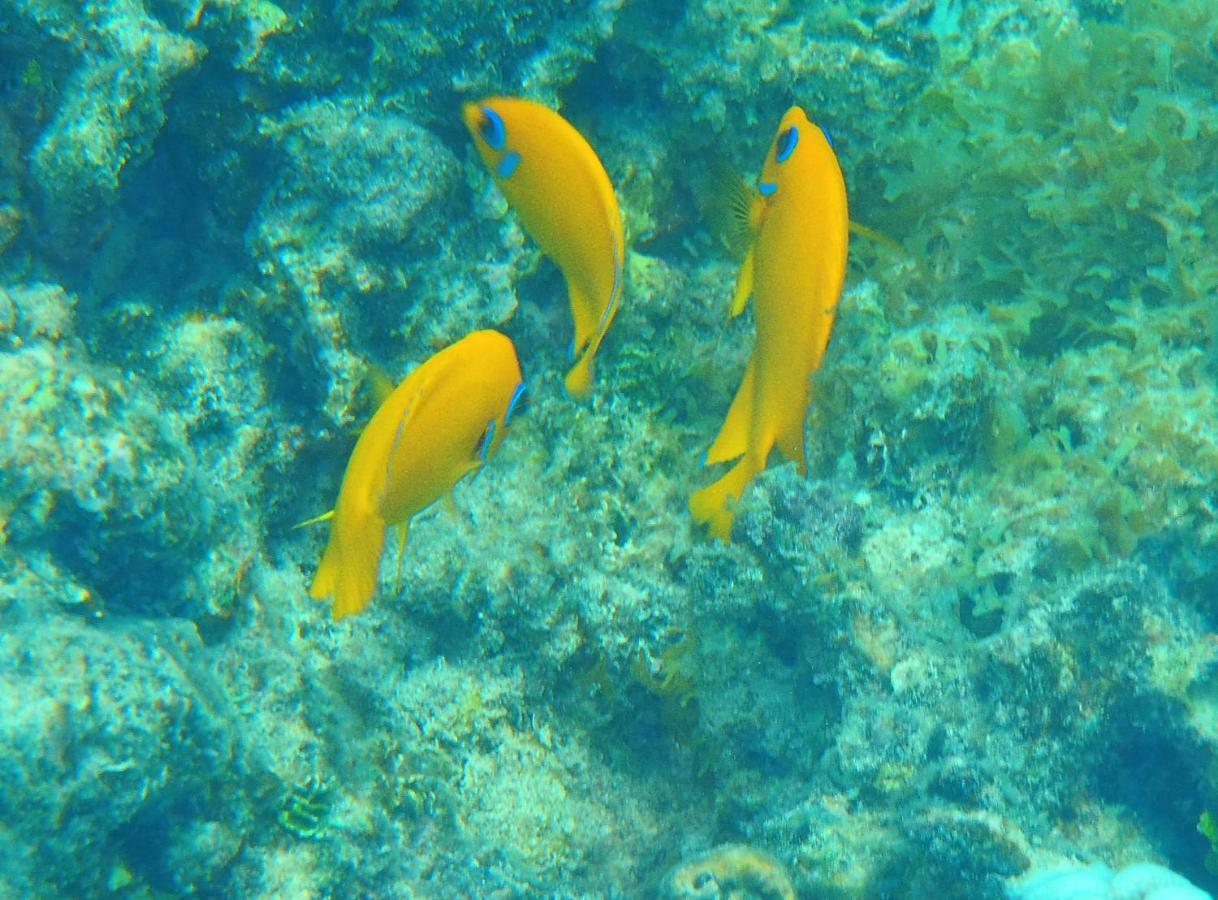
<point>785,144</point>
<point>483,447</point>
<point>491,128</point>
<point>518,399</point>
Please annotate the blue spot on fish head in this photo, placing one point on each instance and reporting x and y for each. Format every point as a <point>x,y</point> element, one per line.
<point>767,188</point>
<point>508,164</point>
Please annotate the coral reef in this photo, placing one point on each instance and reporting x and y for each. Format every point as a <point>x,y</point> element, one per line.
<point>971,656</point>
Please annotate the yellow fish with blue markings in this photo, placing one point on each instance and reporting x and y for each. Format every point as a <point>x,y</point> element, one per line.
<point>441,423</point>
<point>794,271</point>
<point>554,180</point>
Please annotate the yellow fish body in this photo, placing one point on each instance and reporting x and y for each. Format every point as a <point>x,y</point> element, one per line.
<point>438,425</point>
<point>794,271</point>
<point>562,195</point>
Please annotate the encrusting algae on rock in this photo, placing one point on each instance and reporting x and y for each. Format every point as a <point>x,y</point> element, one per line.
<point>730,872</point>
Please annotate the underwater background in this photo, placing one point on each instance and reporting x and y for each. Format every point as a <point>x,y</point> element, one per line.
<point>972,655</point>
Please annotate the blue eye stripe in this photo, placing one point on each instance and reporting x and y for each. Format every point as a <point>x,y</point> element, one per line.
<point>785,144</point>
<point>508,164</point>
<point>492,129</point>
<point>511,408</point>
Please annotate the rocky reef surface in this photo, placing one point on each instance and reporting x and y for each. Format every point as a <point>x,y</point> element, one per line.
<point>972,655</point>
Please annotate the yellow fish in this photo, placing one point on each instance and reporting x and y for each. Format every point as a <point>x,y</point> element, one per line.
<point>794,270</point>
<point>441,423</point>
<point>559,189</point>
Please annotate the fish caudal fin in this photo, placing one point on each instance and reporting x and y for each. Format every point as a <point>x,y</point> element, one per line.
<point>714,505</point>
<point>733,436</point>
<point>349,567</point>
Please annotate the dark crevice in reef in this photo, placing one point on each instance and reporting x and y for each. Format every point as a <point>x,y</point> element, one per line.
<point>1158,774</point>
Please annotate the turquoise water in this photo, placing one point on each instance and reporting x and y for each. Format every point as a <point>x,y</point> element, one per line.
<point>973,648</point>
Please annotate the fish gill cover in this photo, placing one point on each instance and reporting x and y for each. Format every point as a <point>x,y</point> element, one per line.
<point>975,646</point>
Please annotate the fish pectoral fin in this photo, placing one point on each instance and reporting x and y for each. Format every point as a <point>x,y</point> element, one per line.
<point>744,286</point>
<point>729,205</point>
<point>733,437</point>
<point>316,520</point>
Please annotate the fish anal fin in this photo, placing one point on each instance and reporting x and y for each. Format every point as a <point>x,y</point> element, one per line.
<point>733,436</point>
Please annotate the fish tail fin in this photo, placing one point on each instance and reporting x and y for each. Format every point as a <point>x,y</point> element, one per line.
<point>733,436</point>
<point>714,505</point>
<point>579,379</point>
<point>348,569</point>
